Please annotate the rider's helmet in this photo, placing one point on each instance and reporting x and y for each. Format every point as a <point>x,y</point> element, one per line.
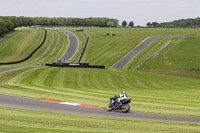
<point>123,92</point>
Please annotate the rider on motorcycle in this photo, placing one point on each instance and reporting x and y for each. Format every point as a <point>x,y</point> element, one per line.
<point>119,103</point>
<point>123,96</point>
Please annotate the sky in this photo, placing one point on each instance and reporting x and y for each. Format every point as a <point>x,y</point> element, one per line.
<point>139,11</point>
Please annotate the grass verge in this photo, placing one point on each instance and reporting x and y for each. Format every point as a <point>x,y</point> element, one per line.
<point>20,45</point>
<point>14,120</point>
<point>181,57</point>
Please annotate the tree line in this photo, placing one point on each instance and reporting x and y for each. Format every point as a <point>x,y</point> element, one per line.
<point>9,23</point>
<point>181,23</point>
<point>190,22</point>
<point>100,22</point>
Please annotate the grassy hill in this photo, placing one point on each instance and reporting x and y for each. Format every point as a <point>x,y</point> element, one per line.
<point>4,35</point>
<point>54,47</point>
<point>151,93</point>
<point>150,88</point>
<point>107,50</point>
<point>19,45</point>
<point>146,53</point>
<point>181,57</point>
<point>21,120</point>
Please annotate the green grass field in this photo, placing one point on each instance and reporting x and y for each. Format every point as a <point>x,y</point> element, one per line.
<point>181,57</point>
<point>167,84</point>
<point>19,45</point>
<point>150,93</point>
<point>107,50</point>
<point>146,53</point>
<point>54,47</point>
<point>10,32</point>
<point>23,121</point>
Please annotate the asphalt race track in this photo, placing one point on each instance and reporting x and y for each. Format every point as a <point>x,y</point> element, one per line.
<point>134,52</point>
<point>9,35</point>
<point>73,46</point>
<point>25,103</point>
<point>2,69</point>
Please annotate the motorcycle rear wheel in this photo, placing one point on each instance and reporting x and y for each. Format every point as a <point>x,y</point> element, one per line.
<point>109,107</point>
<point>126,108</point>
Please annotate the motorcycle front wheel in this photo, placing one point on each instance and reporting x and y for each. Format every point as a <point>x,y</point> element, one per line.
<point>109,107</point>
<point>125,108</point>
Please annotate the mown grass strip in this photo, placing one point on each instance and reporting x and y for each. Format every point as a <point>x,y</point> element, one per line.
<point>55,46</point>
<point>21,120</point>
<point>29,56</point>
<point>14,48</point>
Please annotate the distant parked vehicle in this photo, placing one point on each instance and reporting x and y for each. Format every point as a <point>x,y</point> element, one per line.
<point>81,29</point>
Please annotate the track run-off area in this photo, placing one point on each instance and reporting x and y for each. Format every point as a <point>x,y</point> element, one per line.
<point>20,102</point>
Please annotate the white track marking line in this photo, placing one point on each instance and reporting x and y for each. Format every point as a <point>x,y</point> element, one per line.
<point>68,103</point>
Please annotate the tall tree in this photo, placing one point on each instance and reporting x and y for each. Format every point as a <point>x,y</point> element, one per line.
<point>155,24</point>
<point>131,24</point>
<point>149,24</point>
<point>10,26</point>
<point>124,23</point>
<point>3,26</point>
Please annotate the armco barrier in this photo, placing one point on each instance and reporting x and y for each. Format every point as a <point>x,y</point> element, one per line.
<point>77,65</point>
<point>83,50</point>
<point>30,55</point>
<point>162,49</point>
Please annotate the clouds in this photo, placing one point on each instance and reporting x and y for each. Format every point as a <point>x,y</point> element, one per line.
<point>141,11</point>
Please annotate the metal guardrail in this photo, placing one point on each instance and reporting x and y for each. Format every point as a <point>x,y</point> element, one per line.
<point>162,49</point>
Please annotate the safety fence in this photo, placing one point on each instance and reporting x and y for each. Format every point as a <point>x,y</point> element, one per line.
<point>76,65</point>
<point>179,37</point>
<point>83,50</point>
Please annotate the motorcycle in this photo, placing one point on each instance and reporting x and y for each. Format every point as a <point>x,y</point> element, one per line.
<point>114,105</point>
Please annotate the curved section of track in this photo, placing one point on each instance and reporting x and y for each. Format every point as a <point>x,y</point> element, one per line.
<point>134,52</point>
<point>73,46</point>
<point>19,102</point>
